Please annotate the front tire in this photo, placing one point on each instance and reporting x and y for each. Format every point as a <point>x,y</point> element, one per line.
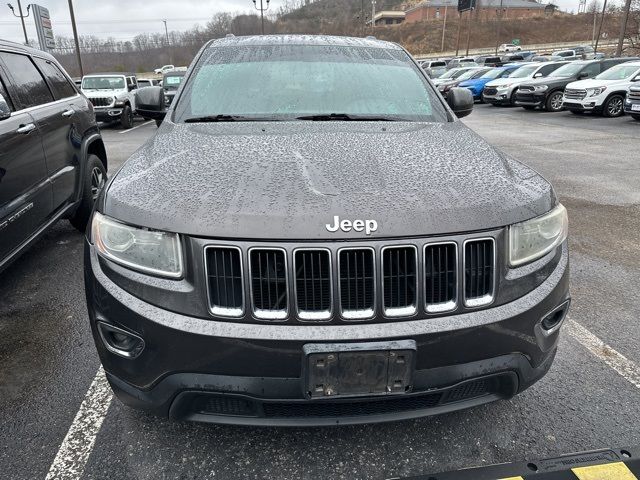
<point>554,102</point>
<point>614,106</point>
<point>95,177</point>
<point>126,117</point>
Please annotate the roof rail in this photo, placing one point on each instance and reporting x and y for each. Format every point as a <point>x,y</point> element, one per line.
<point>229,35</point>
<point>371,37</point>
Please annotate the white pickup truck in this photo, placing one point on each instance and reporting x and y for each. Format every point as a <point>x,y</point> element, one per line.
<point>112,96</point>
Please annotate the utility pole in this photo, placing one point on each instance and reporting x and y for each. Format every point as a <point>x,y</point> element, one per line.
<point>499,27</point>
<point>459,28</point>
<point>469,30</point>
<point>262,9</point>
<point>444,28</point>
<point>21,16</point>
<point>595,17</point>
<point>166,31</point>
<point>75,36</point>
<point>623,27</point>
<point>373,16</point>
<point>604,9</point>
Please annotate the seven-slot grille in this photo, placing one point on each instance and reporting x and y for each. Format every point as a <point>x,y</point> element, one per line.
<point>479,270</point>
<point>224,272</point>
<point>269,283</point>
<point>440,277</point>
<point>572,94</point>
<point>399,280</point>
<point>490,91</point>
<point>102,101</point>
<point>323,284</point>
<point>356,282</point>
<point>313,284</point>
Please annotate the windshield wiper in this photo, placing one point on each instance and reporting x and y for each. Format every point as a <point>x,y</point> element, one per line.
<point>327,117</point>
<point>228,118</point>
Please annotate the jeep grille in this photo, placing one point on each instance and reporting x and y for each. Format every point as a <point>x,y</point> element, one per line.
<point>102,101</point>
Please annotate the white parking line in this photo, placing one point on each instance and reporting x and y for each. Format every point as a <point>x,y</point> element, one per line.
<point>78,444</point>
<point>621,364</point>
<point>137,126</point>
<point>76,447</point>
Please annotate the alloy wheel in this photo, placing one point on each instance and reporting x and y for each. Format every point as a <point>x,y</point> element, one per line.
<point>97,182</point>
<point>556,101</point>
<point>614,107</point>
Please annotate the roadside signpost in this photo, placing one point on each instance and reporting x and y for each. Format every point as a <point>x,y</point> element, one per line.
<point>43,27</point>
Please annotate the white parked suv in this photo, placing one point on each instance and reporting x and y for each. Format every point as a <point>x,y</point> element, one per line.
<point>164,69</point>
<point>112,96</point>
<point>604,93</point>
<point>509,47</point>
<point>502,91</point>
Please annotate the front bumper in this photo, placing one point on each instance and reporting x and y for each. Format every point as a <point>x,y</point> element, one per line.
<point>501,97</point>
<point>110,114</point>
<point>225,372</point>
<point>632,106</point>
<point>587,105</point>
<point>530,99</point>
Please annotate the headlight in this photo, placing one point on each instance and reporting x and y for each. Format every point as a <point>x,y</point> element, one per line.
<point>534,238</point>
<point>149,251</point>
<point>541,88</point>
<point>504,87</point>
<point>594,92</point>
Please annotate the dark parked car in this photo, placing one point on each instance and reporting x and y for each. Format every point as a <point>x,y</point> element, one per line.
<point>52,159</point>
<point>171,82</point>
<point>632,102</point>
<point>547,93</point>
<point>321,243</point>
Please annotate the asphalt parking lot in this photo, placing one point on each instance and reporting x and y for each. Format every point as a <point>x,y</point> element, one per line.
<point>590,399</point>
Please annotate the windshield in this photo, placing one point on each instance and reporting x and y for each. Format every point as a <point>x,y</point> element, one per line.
<point>494,73</point>
<point>283,82</point>
<point>470,74</point>
<point>172,81</point>
<point>568,70</point>
<point>103,83</point>
<point>524,72</point>
<point>619,72</point>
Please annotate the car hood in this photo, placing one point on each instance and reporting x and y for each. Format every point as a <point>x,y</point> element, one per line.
<point>548,81</point>
<point>288,180</point>
<point>593,82</point>
<point>95,93</point>
<point>473,82</point>
<point>506,81</point>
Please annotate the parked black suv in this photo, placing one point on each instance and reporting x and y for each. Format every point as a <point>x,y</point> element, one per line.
<point>632,102</point>
<point>52,159</point>
<point>547,93</point>
<point>323,242</point>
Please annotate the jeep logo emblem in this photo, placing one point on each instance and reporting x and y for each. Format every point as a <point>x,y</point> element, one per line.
<point>366,226</point>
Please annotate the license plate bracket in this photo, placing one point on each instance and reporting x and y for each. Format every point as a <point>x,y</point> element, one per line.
<point>361,369</point>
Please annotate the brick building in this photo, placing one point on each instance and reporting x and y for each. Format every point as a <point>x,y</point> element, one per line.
<point>485,9</point>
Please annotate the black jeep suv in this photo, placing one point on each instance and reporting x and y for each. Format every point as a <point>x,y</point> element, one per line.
<point>52,159</point>
<point>312,237</point>
<point>547,93</point>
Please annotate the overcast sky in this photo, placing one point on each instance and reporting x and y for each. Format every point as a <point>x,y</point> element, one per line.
<point>123,19</point>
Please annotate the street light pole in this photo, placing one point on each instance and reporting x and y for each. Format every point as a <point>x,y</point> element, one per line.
<point>499,27</point>
<point>444,28</point>
<point>21,16</point>
<point>75,36</point>
<point>166,31</point>
<point>262,9</point>
<point>604,9</point>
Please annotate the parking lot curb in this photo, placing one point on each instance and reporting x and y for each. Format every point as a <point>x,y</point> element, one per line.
<point>606,464</point>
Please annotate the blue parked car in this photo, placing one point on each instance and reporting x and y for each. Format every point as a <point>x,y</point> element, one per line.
<point>476,85</point>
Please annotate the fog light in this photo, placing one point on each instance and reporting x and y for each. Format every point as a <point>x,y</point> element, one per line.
<point>119,341</point>
<point>554,318</point>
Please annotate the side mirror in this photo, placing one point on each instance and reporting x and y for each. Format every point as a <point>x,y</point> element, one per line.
<point>636,78</point>
<point>461,101</point>
<point>583,75</point>
<point>150,103</point>
<point>5,111</point>
<point>537,75</point>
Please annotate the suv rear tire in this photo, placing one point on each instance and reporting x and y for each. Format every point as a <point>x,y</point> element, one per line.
<point>126,117</point>
<point>95,176</point>
<point>554,102</point>
<point>613,106</point>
